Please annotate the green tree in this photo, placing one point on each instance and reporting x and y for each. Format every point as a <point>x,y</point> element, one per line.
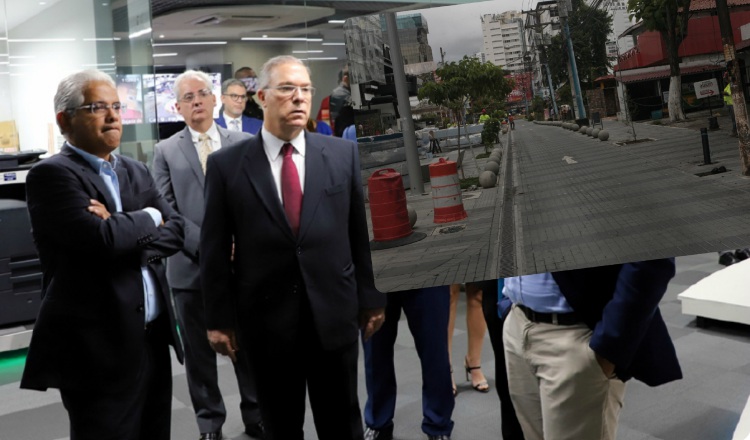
<point>670,18</point>
<point>464,81</point>
<point>589,29</point>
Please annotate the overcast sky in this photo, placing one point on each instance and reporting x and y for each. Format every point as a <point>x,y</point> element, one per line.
<point>458,30</point>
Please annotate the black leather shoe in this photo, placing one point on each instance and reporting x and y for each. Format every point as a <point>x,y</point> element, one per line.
<point>256,430</point>
<point>379,434</point>
<point>742,254</point>
<point>211,436</point>
<point>727,258</point>
<point>439,437</point>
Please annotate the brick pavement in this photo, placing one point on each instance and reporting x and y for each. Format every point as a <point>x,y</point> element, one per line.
<point>622,203</point>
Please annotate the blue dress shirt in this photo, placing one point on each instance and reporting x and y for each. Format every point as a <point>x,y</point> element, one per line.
<point>539,292</point>
<point>106,171</point>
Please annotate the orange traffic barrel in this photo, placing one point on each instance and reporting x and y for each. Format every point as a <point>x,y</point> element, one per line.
<point>390,218</point>
<point>446,192</point>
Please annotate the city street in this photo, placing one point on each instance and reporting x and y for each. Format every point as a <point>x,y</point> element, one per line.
<point>566,200</point>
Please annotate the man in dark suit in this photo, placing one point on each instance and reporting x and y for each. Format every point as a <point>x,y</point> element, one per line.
<point>233,97</point>
<point>291,273</point>
<point>179,164</point>
<point>102,230</point>
<point>574,337</point>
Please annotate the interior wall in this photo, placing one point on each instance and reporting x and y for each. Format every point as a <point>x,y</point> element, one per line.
<point>32,81</point>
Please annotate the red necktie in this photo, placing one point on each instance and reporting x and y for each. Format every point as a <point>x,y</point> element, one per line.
<point>291,191</point>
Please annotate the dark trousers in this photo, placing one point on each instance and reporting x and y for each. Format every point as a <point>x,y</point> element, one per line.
<point>427,313</point>
<point>201,372</point>
<point>288,358</point>
<point>511,429</point>
<point>140,412</point>
<point>435,146</point>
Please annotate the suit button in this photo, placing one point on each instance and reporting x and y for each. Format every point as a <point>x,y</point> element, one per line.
<point>140,308</point>
<point>299,250</point>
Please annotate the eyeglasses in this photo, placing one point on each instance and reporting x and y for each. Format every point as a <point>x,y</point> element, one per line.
<point>235,98</point>
<point>289,90</point>
<point>102,108</point>
<point>190,97</point>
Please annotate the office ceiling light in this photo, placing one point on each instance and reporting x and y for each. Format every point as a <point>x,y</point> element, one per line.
<point>322,58</point>
<point>40,40</point>
<point>337,21</point>
<point>140,33</point>
<point>333,44</point>
<point>264,38</point>
<point>170,54</point>
<point>307,51</point>
<point>190,43</point>
<point>102,39</point>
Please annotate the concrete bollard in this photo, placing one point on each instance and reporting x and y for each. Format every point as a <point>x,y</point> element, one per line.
<point>603,135</point>
<point>487,179</point>
<point>412,215</point>
<point>595,133</point>
<point>492,166</point>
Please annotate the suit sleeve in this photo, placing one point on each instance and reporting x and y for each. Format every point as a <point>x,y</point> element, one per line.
<point>58,207</point>
<point>171,234</point>
<point>627,316</point>
<point>217,277</point>
<point>369,296</point>
<point>163,179</point>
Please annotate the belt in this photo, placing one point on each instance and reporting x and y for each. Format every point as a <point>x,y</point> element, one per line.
<point>550,318</point>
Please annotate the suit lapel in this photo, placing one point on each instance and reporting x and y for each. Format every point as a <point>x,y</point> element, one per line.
<point>91,176</point>
<point>314,170</point>
<point>258,172</point>
<point>185,143</point>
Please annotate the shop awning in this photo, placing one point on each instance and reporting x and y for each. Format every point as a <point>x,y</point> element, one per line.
<point>663,72</point>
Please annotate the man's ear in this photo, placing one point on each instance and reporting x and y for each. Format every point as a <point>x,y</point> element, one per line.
<point>261,94</point>
<point>63,121</point>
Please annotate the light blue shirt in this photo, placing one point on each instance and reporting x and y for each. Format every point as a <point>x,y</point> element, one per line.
<point>539,292</point>
<point>106,171</point>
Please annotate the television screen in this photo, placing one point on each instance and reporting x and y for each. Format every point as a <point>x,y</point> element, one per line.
<point>161,100</point>
<point>129,90</point>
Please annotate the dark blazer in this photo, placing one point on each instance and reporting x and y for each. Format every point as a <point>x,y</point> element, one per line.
<point>249,125</point>
<point>179,178</point>
<point>90,328</point>
<point>331,254</point>
<point>620,303</point>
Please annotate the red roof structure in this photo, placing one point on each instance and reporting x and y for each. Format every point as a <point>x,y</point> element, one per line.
<point>704,5</point>
<point>663,72</point>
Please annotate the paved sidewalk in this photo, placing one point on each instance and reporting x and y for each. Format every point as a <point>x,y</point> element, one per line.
<point>465,250</point>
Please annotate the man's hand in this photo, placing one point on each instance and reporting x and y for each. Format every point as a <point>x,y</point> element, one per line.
<point>370,321</point>
<point>98,209</point>
<point>224,343</point>
<point>608,368</point>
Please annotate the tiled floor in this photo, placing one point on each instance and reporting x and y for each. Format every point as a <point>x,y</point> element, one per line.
<point>705,405</point>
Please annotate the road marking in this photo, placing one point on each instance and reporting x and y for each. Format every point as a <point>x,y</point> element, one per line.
<point>569,159</point>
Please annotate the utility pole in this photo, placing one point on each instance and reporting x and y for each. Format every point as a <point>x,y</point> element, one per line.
<point>404,108</point>
<point>537,27</point>
<point>738,95</point>
<point>442,57</point>
<point>563,8</point>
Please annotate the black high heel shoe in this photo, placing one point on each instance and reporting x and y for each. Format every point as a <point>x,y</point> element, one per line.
<point>483,386</point>
<point>453,384</point>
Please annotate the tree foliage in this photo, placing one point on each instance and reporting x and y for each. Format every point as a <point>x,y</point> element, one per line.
<point>670,18</point>
<point>464,81</point>
<point>589,29</point>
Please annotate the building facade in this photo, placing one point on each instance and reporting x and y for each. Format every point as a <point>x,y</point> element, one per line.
<point>504,41</point>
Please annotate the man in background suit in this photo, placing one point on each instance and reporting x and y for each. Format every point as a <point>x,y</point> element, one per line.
<point>102,229</point>
<point>233,97</point>
<point>299,283</point>
<point>574,337</point>
<point>179,166</point>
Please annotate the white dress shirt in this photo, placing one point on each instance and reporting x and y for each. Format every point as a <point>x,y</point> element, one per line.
<point>212,132</point>
<point>272,147</point>
<point>229,121</point>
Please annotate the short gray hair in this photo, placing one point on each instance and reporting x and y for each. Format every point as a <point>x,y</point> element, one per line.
<point>191,74</point>
<point>265,72</point>
<point>232,82</point>
<point>70,90</point>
